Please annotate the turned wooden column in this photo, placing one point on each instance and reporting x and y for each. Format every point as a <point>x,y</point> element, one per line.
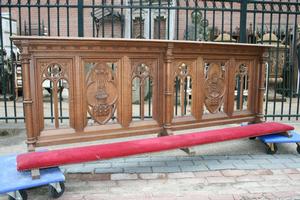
<point>27,98</point>
<point>261,87</point>
<point>168,92</point>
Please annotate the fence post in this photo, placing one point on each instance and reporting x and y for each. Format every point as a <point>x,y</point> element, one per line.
<point>80,18</point>
<point>243,21</point>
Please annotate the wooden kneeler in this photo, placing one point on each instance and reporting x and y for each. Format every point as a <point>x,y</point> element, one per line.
<point>39,160</point>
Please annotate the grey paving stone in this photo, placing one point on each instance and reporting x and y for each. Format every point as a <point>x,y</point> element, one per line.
<point>262,156</point>
<point>239,157</point>
<point>213,157</point>
<point>153,164</point>
<point>241,161</point>
<point>281,160</point>
<point>257,161</point>
<point>138,159</point>
<point>166,169</point>
<point>163,158</point>
<point>292,165</point>
<point>273,166</point>
<point>125,164</point>
<point>110,170</point>
<point>247,166</point>
<point>80,169</point>
<point>188,158</point>
<point>137,170</point>
<point>207,162</point>
<point>180,163</point>
<point>100,164</point>
<point>193,168</point>
<point>220,166</point>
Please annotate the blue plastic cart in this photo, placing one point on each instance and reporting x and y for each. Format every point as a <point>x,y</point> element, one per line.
<point>14,183</point>
<point>271,140</point>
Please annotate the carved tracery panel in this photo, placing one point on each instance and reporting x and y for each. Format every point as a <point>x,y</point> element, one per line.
<point>241,86</point>
<point>101,92</point>
<point>142,89</point>
<point>214,87</point>
<point>55,91</point>
<point>183,89</point>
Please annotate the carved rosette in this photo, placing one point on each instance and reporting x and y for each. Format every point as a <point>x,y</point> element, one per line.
<point>54,72</point>
<point>101,93</point>
<point>214,88</point>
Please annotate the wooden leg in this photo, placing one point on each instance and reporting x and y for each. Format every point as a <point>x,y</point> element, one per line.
<point>188,151</point>
<point>35,174</point>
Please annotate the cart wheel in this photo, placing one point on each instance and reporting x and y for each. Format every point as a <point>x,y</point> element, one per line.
<point>21,196</point>
<point>55,191</point>
<point>252,138</point>
<point>272,151</point>
<point>298,148</point>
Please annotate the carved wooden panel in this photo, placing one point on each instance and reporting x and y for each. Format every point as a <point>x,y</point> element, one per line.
<point>101,93</point>
<point>214,87</point>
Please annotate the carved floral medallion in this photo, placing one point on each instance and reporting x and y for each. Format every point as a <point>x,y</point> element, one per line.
<point>101,93</point>
<point>214,88</point>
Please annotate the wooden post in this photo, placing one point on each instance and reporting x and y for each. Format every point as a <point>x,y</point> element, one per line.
<point>261,87</point>
<point>168,91</point>
<point>25,60</point>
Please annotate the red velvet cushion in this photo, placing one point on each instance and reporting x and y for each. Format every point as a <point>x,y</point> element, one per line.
<point>53,158</point>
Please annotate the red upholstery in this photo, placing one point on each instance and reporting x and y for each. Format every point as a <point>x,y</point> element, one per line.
<point>53,158</point>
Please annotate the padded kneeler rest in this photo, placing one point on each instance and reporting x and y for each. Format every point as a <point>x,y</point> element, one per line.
<point>37,160</point>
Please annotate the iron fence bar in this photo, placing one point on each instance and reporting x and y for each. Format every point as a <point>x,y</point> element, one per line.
<point>168,21</point>
<point>122,22</point>
<point>140,19</point>
<point>243,22</point>
<point>20,21</point>
<point>186,19</point>
<point>290,79</point>
<point>254,24</point>
<point>48,15</point>
<point>80,18</point>
<point>214,19</point>
<point>29,16</point>
<point>231,14</point>
<point>39,18</point>
<point>93,14</point>
<point>131,12</point>
<point>196,19</point>
<point>222,26</point>
<point>112,19</point>
<point>159,18</point>
<point>57,18</point>
<point>205,6</point>
<point>2,68</point>
<point>68,18</point>
<point>177,20</point>
<point>298,52</point>
<point>150,21</point>
<point>282,116</point>
<point>12,58</point>
<point>11,118</point>
<point>102,19</point>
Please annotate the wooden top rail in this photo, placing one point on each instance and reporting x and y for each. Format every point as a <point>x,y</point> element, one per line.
<point>122,87</point>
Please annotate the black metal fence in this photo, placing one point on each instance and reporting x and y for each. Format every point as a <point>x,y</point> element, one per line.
<point>247,21</point>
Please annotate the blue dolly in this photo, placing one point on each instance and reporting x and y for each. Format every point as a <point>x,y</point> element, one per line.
<point>271,140</point>
<point>14,183</point>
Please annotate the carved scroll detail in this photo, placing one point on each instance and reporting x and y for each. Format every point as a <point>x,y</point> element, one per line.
<point>101,93</point>
<point>214,88</point>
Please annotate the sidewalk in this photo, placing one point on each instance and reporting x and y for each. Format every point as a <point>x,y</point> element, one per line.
<point>238,169</point>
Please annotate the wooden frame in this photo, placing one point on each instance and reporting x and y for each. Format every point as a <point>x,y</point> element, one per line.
<point>99,73</point>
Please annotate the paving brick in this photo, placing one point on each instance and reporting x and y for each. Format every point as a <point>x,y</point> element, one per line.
<point>180,163</point>
<point>98,165</point>
<point>290,171</point>
<point>221,197</point>
<point>181,175</point>
<point>124,177</point>
<point>220,180</point>
<point>167,169</point>
<point>109,170</point>
<point>189,158</point>
<point>276,177</point>
<point>137,170</point>
<point>245,185</point>
<point>193,168</point>
<point>294,176</point>
<point>163,158</point>
<point>262,156</point>
<point>249,178</point>
<point>234,173</point>
<point>261,189</point>
<point>260,172</point>
<point>80,169</point>
<point>206,162</point>
<point>239,157</point>
<point>208,174</point>
<point>153,175</point>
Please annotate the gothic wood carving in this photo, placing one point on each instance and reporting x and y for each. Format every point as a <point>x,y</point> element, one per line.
<point>101,93</point>
<point>214,88</point>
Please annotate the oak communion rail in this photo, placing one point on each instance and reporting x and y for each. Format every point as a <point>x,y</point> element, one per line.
<point>169,85</point>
